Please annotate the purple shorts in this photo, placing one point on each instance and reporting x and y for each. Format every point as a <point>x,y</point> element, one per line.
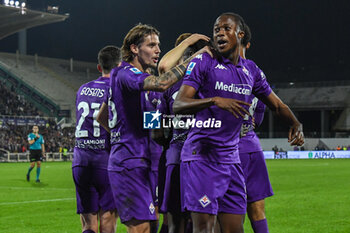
<point>213,188</point>
<point>93,191</point>
<point>154,186</point>
<point>256,176</point>
<point>161,178</point>
<point>132,194</point>
<point>172,198</point>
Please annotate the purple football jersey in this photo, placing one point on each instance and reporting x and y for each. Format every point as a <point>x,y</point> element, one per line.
<point>151,100</point>
<point>212,77</point>
<point>92,143</point>
<point>179,134</point>
<point>129,141</point>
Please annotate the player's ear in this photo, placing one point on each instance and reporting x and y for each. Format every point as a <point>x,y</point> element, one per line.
<point>248,45</point>
<point>99,68</point>
<point>240,34</point>
<point>134,48</point>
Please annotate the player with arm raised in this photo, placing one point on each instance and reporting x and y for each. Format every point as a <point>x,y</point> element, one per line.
<point>210,156</point>
<point>94,196</point>
<point>129,163</point>
<point>186,45</point>
<point>37,152</point>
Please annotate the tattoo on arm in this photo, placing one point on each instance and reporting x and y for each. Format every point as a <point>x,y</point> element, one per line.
<point>166,80</point>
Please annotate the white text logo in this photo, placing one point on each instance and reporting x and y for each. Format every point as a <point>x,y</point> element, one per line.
<point>243,89</point>
<point>221,67</point>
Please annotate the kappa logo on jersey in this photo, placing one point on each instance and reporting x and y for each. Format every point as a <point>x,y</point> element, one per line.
<point>204,201</point>
<point>245,71</point>
<point>151,120</point>
<point>262,75</point>
<point>190,68</point>
<point>199,56</point>
<point>221,67</point>
<point>135,70</point>
<point>151,208</point>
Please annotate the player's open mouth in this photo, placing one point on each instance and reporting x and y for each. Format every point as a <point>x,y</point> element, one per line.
<point>155,60</point>
<point>221,44</point>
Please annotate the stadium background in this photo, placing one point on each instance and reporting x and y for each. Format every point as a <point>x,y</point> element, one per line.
<point>301,46</point>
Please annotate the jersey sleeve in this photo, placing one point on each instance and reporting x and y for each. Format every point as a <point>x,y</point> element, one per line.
<point>261,86</point>
<point>196,70</point>
<point>131,78</point>
<point>42,139</point>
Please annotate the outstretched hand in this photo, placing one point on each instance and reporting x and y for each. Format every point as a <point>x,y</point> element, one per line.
<point>194,38</point>
<point>296,135</point>
<point>232,105</point>
<point>205,49</point>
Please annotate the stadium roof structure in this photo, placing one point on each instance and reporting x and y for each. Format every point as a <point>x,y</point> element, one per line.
<point>14,19</point>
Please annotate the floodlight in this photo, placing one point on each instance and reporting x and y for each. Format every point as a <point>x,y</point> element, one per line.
<point>16,3</point>
<point>12,2</point>
<point>6,2</point>
<point>23,5</point>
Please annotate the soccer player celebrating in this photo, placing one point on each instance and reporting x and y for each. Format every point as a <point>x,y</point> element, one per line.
<point>37,152</point>
<point>94,196</point>
<point>211,174</point>
<point>186,45</point>
<point>151,100</point>
<point>258,185</point>
<point>129,163</point>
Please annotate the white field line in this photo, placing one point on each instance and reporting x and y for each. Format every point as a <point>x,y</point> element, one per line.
<point>13,187</point>
<point>25,202</point>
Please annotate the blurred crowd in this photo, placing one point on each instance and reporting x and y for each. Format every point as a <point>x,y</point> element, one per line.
<point>15,105</point>
<point>14,138</point>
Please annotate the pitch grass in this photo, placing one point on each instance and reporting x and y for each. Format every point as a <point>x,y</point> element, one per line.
<point>311,196</point>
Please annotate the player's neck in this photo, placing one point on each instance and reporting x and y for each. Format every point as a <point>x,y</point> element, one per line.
<point>234,56</point>
<point>106,75</point>
<point>136,63</point>
<point>242,54</point>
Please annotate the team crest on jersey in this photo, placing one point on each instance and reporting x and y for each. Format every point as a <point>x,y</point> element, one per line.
<point>135,70</point>
<point>199,56</point>
<point>190,68</point>
<point>156,101</point>
<point>220,67</point>
<point>151,208</point>
<point>204,201</point>
<point>245,71</point>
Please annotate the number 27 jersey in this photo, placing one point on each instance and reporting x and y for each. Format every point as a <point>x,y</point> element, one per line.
<point>92,143</point>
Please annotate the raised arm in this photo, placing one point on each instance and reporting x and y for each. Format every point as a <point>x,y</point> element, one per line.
<point>164,81</point>
<point>186,104</point>
<point>171,58</point>
<point>281,110</point>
